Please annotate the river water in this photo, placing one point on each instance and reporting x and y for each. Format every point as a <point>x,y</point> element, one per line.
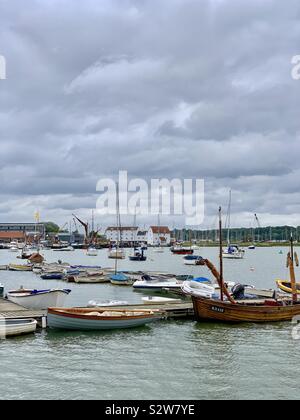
<point>167,360</point>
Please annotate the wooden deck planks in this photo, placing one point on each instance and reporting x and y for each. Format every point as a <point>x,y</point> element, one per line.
<point>12,310</point>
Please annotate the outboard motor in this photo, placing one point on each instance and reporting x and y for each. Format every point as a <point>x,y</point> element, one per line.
<point>238,292</point>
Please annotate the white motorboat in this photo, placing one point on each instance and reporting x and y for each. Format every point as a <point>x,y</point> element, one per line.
<point>14,248</point>
<point>116,254</point>
<point>92,252</point>
<point>38,299</point>
<point>157,284</point>
<point>156,300</point>
<point>106,304</point>
<point>66,249</point>
<point>194,288</point>
<point>16,327</point>
<point>234,252</point>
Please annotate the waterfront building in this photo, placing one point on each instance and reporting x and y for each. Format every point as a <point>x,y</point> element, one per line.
<point>159,235</point>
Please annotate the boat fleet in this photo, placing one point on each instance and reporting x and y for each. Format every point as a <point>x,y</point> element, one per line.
<point>213,297</point>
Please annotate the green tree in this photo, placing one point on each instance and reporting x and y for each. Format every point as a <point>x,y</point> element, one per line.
<point>51,227</point>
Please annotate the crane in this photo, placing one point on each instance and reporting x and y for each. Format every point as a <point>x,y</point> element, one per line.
<point>85,225</point>
<point>258,225</point>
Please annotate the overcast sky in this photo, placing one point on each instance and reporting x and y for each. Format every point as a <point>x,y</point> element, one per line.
<point>161,88</point>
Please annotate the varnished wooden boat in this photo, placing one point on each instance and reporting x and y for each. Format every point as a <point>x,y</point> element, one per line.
<point>94,319</point>
<point>286,286</point>
<point>226,309</point>
<point>260,311</point>
<point>17,267</point>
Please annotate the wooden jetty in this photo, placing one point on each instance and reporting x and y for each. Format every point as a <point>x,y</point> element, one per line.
<point>171,310</point>
<point>11,310</point>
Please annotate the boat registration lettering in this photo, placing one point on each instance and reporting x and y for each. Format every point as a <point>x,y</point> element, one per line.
<point>217,309</point>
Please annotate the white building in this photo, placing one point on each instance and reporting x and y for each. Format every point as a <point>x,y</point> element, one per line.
<point>142,237</point>
<point>125,234</point>
<point>159,236</point>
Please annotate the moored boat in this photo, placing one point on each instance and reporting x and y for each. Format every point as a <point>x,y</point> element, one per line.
<point>286,286</point>
<point>16,327</point>
<point>138,255</point>
<point>107,303</point>
<point>97,319</point>
<point>157,300</point>
<point>16,267</point>
<point>121,279</point>
<point>86,279</point>
<point>234,252</point>
<point>92,252</point>
<point>52,276</point>
<point>65,249</point>
<point>182,251</point>
<point>226,309</point>
<point>38,299</point>
<point>116,254</point>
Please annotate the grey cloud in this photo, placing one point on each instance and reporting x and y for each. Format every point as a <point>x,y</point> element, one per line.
<point>179,88</point>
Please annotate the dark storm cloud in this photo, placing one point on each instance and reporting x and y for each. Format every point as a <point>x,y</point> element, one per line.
<point>179,88</point>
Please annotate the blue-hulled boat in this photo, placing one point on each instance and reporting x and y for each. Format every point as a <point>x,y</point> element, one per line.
<point>121,279</point>
<point>52,276</point>
<point>192,257</point>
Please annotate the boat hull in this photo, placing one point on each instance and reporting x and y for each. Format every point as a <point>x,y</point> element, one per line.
<point>213,310</point>
<point>91,280</point>
<point>286,286</point>
<point>39,301</point>
<point>17,327</point>
<point>183,252</point>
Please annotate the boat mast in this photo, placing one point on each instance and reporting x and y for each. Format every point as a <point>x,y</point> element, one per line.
<point>291,263</point>
<point>229,218</point>
<point>118,226</point>
<point>221,255</point>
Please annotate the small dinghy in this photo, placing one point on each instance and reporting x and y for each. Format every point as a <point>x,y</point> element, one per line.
<point>106,304</point>
<point>192,257</point>
<point>138,255</point>
<point>86,279</point>
<point>152,284</point>
<point>121,279</point>
<point>38,299</point>
<point>156,300</point>
<point>199,289</point>
<point>52,276</point>
<point>286,286</point>
<point>16,267</point>
<point>16,327</point>
<point>100,319</point>
<point>92,252</point>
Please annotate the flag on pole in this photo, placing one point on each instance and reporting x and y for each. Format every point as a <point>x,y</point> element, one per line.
<point>37,216</point>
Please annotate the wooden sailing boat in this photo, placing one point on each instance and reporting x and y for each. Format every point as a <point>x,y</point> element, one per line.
<point>226,309</point>
<point>118,253</point>
<point>232,252</point>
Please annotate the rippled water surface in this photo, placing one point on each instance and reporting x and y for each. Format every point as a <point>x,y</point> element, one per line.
<point>171,359</point>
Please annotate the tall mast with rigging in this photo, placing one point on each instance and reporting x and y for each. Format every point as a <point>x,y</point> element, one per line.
<point>221,255</point>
